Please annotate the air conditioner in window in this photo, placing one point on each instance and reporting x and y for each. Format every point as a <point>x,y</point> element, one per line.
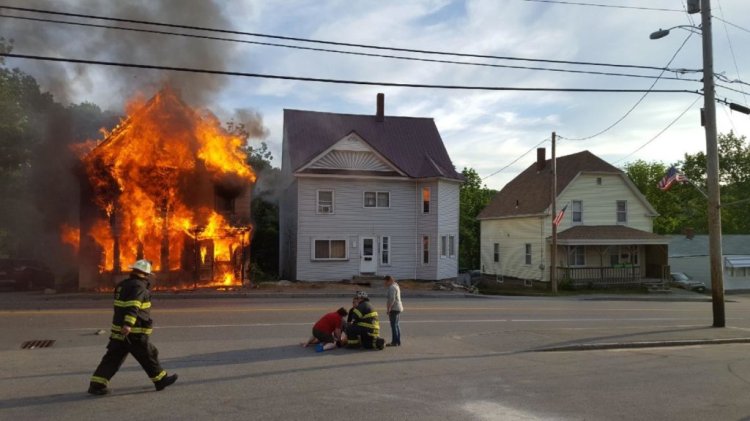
<point>324,209</point>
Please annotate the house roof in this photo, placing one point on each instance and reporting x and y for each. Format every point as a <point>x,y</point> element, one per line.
<point>681,246</point>
<point>608,234</point>
<point>529,192</point>
<point>412,144</point>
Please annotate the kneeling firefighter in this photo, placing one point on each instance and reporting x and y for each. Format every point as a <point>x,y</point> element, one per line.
<point>364,327</point>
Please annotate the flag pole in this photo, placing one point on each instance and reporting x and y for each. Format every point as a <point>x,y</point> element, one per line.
<point>553,252</point>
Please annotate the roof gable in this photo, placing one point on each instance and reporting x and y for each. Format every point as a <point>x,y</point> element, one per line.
<point>351,153</point>
<point>529,193</point>
<point>413,145</point>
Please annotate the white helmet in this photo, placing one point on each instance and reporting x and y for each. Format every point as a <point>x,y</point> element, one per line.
<point>142,265</point>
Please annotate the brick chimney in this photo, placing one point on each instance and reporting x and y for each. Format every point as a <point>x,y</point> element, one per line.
<point>380,115</point>
<point>689,233</point>
<point>540,158</point>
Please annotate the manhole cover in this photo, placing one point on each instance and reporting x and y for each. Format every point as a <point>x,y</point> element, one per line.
<point>38,343</point>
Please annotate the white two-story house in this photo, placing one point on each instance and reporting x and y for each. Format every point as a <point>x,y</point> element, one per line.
<point>604,237</point>
<point>366,195</point>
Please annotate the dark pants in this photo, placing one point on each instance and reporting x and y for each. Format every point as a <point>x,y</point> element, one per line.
<point>393,316</point>
<point>359,336</point>
<point>142,350</point>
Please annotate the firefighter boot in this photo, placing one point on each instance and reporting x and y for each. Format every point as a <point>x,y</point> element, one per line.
<point>380,343</point>
<point>98,389</point>
<point>166,381</point>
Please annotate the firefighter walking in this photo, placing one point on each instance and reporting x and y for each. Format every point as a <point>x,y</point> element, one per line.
<point>131,328</point>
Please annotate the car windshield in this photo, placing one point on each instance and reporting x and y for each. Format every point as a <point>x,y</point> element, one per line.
<point>680,277</point>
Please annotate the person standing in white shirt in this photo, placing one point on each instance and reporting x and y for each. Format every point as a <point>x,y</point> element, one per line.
<point>394,307</point>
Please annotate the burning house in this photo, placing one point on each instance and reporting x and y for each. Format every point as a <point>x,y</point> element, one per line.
<point>171,185</point>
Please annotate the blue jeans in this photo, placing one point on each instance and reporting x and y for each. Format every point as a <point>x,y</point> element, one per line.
<point>395,329</point>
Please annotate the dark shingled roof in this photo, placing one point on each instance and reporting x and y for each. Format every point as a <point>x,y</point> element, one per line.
<point>610,232</point>
<point>529,192</point>
<point>412,144</point>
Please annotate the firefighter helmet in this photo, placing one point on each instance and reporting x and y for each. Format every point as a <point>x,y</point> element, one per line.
<point>361,294</point>
<point>142,265</point>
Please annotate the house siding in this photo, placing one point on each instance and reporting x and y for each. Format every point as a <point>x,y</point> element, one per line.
<point>448,208</point>
<point>600,203</point>
<point>512,235</point>
<point>350,221</point>
<point>427,225</point>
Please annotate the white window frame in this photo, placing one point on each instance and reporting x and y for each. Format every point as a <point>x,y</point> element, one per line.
<point>317,201</point>
<point>425,250</point>
<point>573,253</point>
<point>385,250</point>
<point>528,257</point>
<point>623,212</point>
<point>443,246</point>
<point>377,201</point>
<point>428,202</point>
<point>329,240</point>
<point>452,246</point>
<point>579,212</point>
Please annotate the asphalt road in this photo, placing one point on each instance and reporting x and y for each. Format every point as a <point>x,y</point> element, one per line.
<point>462,359</point>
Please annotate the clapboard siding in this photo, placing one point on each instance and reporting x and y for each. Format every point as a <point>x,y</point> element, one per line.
<point>350,221</point>
<point>512,235</point>
<point>448,208</point>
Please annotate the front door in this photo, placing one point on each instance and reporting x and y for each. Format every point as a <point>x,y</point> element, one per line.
<point>367,262</point>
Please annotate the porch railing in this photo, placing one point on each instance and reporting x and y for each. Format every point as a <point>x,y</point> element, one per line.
<point>629,275</point>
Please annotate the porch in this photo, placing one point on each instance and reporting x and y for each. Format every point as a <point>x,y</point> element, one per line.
<point>613,277</point>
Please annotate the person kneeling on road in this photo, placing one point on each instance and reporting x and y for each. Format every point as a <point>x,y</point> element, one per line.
<point>327,331</point>
<point>364,329</point>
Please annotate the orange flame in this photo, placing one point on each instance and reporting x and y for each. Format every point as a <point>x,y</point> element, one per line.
<point>154,178</point>
<point>71,235</point>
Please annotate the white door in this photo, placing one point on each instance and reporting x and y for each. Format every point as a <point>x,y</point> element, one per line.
<point>367,262</point>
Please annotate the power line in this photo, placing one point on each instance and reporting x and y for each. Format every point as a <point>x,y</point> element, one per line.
<point>731,49</point>
<point>345,44</point>
<point>731,24</point>
<point>639,100</point>
<point>152,31</point>
<point>516,160</point>
<point>324,80</point>
<point>613,6</point>
<point>661,132</point>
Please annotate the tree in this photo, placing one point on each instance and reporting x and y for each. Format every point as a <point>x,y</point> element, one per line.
<point>264,208</point>
<point>473,196</point>
<point>734,177</point>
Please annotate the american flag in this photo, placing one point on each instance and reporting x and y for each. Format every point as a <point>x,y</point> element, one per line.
<point>672,176</point>
<point>559,216</point>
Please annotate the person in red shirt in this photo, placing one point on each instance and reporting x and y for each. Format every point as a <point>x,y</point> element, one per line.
<point>327,330</point>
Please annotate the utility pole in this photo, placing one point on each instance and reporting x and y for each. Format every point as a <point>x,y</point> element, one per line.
<point>553,251</point>
<point>712,169</point>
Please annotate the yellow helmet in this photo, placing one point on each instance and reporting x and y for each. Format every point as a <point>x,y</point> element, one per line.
<point>142,265</point>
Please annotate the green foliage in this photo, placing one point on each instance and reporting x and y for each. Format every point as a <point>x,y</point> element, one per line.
<point>474,196</point>
<point>684,205</point>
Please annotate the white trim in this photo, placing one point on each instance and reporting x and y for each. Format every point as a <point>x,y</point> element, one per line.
<point>387,162</point>
<point>317,202</point>
<point>364,203</point>
<point>452,246</point>
<point>383,241</point>
<point>429,201</point>
<point>423,249</point>
<point>330,259</point>
<point>617,212</point>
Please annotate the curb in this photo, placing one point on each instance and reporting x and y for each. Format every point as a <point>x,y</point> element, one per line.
<point>642,344</point>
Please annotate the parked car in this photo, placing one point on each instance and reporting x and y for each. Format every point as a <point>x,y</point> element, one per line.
<point>25,275</point>
<point>682,280</point>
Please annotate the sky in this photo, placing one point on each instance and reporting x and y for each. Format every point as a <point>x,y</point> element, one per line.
<point>493,132</point>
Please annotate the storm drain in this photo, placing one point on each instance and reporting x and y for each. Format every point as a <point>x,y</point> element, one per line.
<point>38,343</point>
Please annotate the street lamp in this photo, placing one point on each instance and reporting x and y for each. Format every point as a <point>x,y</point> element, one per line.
<point>661,33</point>
<point>712,159</point>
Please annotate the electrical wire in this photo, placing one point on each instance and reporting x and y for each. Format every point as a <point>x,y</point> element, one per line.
<point>660,133</point>
<point>614,6</point>
<point>731,49</point>
<point>516,160</point>
<point>345,44</point>
<point>152,31</point>
<point>731,24</point>
<point>324,80</point>
<point>690,34</point>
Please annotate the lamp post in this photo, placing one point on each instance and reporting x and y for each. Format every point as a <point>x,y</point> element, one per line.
<point>712,162</point>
